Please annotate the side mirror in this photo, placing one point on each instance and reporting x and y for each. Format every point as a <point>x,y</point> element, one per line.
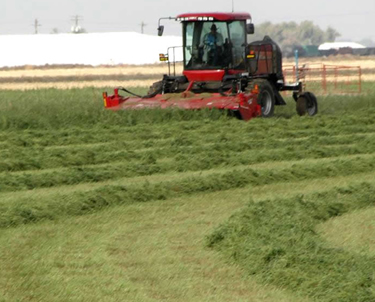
<point>160,30</point>
<point>250,28</point>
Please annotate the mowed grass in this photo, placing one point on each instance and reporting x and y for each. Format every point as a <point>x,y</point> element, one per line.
<point>118,206</point>
<point>354,231</point>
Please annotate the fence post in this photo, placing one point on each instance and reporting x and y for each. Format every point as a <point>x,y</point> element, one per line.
<point>296,58</point>
<point>285,76</point>
<point>324,79</point>
<point>336,76</point>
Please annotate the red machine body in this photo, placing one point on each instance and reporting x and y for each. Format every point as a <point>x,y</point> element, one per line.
<point>213,16</point>
<point>244,103</point>
<point>209,75</point>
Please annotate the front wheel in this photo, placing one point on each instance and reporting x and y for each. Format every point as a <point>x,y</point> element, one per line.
<point>266,97</point>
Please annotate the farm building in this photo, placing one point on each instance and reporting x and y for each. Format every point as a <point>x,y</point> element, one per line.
<point>334,48</point>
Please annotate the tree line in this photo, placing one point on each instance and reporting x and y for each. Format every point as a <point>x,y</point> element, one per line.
<point>291,35</point>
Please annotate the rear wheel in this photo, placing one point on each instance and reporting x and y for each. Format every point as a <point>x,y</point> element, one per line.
<point>307,103</point>
<point>312,104</point>
<point>266,97</point>
<point>301,105</point>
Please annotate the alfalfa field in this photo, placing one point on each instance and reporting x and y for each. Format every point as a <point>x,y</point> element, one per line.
<point>185,206</point>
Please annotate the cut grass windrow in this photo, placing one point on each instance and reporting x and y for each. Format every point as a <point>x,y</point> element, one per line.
<point>228,129</point>
<point>148,163</point>
<point>26,210</point>
<point>23,159</point>
<point>276,242</point>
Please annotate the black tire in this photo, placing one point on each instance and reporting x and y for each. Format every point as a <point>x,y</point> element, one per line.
<point>301,105</point>
<point>307,103</point>
<point>312,104</point>
<point>266,97</point>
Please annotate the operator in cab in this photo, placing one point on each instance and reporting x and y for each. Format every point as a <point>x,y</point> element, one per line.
<point>212,44</point>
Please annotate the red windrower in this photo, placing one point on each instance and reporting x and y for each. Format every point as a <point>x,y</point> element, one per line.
<point>221,70</point>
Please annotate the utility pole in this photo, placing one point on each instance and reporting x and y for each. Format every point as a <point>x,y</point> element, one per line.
<point>76,19</point>
<point>36,25</point>
<point>142,26</point>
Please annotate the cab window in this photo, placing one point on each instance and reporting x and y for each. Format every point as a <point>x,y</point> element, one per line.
<point>226,50</point>
<point>237,32</point>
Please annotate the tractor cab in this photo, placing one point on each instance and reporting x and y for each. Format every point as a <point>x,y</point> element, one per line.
<point>214,43</point>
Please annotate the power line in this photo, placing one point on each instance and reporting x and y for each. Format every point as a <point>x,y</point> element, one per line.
<point>76,28</point>
<point>76,19</point>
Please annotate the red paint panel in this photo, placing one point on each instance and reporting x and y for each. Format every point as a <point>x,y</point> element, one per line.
<point>204,75</point>
<point>216,16</point>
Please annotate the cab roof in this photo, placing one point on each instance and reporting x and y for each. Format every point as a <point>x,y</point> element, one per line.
<point>213,16</point>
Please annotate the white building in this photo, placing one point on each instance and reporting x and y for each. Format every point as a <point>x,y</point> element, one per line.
<point>338,45</point>
<point>87,49</point>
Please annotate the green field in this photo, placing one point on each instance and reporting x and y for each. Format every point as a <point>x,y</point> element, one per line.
<point>185,206</point>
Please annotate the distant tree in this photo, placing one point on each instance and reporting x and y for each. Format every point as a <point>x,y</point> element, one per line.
<point>55,30</point>
<point>291,36</point>
<point>331,35</point>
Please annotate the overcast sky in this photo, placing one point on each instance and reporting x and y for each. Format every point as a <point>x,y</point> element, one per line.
<point>355,20</point>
